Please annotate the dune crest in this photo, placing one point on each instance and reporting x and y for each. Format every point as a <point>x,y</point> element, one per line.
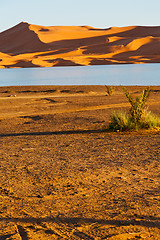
<point>29,45</point>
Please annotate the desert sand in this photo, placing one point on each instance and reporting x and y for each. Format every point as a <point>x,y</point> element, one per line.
<point>63,177</point>
<point>28,45</point>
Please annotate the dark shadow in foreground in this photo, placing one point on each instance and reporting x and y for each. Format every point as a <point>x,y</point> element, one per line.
<point>146,222</point>
<point>68,132</point>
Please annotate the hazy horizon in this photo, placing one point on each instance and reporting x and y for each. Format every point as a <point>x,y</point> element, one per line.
<point>101,14</point>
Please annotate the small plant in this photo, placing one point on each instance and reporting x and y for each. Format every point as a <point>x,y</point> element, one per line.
<point>137,104</point>
<point>137,118</point>
<point>121,121</point>
<point>149,120</point>
<point>109,90</point>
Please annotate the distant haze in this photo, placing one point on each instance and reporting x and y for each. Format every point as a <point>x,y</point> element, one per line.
<point>102,13</point>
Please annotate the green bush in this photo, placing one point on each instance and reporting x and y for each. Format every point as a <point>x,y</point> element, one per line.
<point>137,117</point>
<point>137,104</point>
<point>109,90</point>
<point>150,120</point>
<point>122,121</point>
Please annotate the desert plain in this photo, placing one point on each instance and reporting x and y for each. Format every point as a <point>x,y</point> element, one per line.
<point>64,177</point>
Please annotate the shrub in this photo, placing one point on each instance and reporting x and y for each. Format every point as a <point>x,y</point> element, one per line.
<point>137,117</point>
<point>150,120</point>
<point>137,104</point>
<point>120,121</point>
<point>109,90</point>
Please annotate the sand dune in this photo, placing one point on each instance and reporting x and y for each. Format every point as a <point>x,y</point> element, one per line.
<point>27,45</point>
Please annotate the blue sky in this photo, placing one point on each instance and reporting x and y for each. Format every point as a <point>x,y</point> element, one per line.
<point>96,13</point>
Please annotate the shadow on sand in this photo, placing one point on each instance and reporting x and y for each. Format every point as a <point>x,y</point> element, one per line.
<point>68,132</point>
<point>146,221</point>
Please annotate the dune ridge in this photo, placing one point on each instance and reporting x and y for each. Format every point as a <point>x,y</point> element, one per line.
<point>28,45</point>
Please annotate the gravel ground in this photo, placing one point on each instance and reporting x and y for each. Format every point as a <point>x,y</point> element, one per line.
<point>63,178</point>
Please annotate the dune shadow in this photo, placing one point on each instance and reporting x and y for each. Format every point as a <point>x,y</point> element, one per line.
<point>22,63</point>
<point>44,30</point>
<point>29,42</point>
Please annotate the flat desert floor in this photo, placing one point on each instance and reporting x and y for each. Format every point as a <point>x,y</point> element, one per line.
<point>62,177</point>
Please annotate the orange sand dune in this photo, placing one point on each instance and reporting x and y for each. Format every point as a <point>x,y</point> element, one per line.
<point>27,45</point>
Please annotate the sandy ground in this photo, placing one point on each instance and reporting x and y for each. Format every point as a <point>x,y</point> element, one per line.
<point>63,178</point>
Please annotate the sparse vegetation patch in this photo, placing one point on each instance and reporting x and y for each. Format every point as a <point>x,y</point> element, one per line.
<point>109,90</point>
<point>137,117</point>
